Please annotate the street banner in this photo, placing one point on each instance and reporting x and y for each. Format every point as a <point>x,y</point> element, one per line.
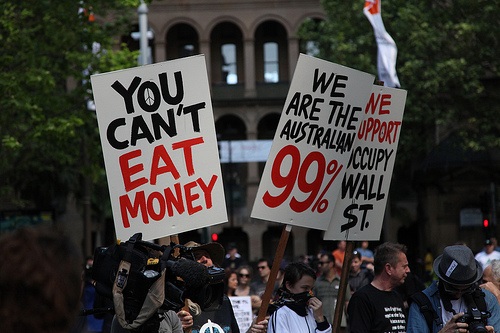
<point>312,144</point>
<point>359,210</point>
<point>242,151</point>
<point>160,149</point>
<point>387,50</point>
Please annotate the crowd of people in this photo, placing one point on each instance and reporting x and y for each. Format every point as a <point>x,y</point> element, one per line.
<point>381,295</point>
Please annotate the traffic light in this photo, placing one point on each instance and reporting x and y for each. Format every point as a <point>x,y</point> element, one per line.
<point>215,237</point>
<point>487,227</point>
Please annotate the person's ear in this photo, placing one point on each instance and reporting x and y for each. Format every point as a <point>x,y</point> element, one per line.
<point>387,268</point>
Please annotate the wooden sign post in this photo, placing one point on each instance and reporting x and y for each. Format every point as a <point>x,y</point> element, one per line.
<point>280,251</point>
<point>344,279</point>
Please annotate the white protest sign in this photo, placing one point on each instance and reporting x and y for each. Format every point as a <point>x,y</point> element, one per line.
<point>360,208</point>
<point>312,144</point>
<point>160,149</point>
<point>242,307</point>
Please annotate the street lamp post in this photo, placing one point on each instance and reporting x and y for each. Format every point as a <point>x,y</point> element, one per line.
<point>142,12</point>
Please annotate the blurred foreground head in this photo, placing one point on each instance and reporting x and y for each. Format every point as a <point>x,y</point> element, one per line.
<point>40,281</point>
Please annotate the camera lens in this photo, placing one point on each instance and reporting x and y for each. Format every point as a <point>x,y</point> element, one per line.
<point>477,327</point>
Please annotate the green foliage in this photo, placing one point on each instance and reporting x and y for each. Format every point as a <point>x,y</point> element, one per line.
<point>48,139</point>
<point>447,52</point>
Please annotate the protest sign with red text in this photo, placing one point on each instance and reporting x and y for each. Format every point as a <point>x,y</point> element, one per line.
<point>312,144</point>
<point>359,211</point>
<point>160,150</point>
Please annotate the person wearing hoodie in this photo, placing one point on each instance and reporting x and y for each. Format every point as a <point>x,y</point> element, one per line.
<point>296,309</point>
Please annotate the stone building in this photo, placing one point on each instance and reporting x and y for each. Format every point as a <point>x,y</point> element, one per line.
<point>251,49</point>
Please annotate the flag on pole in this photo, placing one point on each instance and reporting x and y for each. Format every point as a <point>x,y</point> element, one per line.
<point>387,50</point>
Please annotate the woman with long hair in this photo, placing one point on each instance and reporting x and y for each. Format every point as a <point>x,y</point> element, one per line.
<point>231,282</point>
<point>243,289</point>
<point>244,278</point>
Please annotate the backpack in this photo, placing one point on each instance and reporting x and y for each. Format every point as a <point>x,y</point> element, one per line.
<point>425,305</point>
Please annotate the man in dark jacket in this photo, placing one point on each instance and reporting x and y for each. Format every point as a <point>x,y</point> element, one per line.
<point>221,317</point>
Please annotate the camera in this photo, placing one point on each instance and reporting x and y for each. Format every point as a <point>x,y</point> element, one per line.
<point>476,319</point>
<point>173,265</point>
<point>186,278</point>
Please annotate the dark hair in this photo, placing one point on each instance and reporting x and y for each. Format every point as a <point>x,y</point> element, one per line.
<point>247,267</point>
<point>387,253</point>
<point>295,271</point>
<point>40,281</point>
<point>269,263</point>
<point>356,254</point>
<point>330,256</point>
<point>227,276</point>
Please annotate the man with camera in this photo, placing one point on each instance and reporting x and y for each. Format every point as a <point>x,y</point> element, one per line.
<point>455,303</point>
<point>219,318</point>
<point>220,312</point>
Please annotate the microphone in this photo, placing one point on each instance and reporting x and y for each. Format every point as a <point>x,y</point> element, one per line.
<point>194,274</point>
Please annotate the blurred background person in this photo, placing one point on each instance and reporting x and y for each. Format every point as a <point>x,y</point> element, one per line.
<point>92,323</point>
<point>487,254</point>
<point>359,277</point>
<point>230,283</point>
<point>40,281</point>
<point>326,289</point>
<point>244,274</point>
<point>232,259</point>
<point>491,278</point>
<point>258,287</point>
<point>366,254</point>
<point>244,277</point>
<point>428,270</point>
<point>339,254</point>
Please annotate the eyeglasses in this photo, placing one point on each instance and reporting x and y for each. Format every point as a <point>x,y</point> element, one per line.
<point>244,275</point>
<point>262,267</point>
<point>452,289</point>
<point>324,262</point>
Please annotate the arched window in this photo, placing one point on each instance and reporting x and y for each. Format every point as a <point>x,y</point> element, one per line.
<point>181,41</point>
<point>226,42</point>
<point>232,128</point>
<point>229,70</point>
<point>271,62</point>
<point>186,50</point>
<point>271,53</point>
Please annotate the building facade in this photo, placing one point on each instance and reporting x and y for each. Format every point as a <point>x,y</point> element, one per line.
<point>251,48</point>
